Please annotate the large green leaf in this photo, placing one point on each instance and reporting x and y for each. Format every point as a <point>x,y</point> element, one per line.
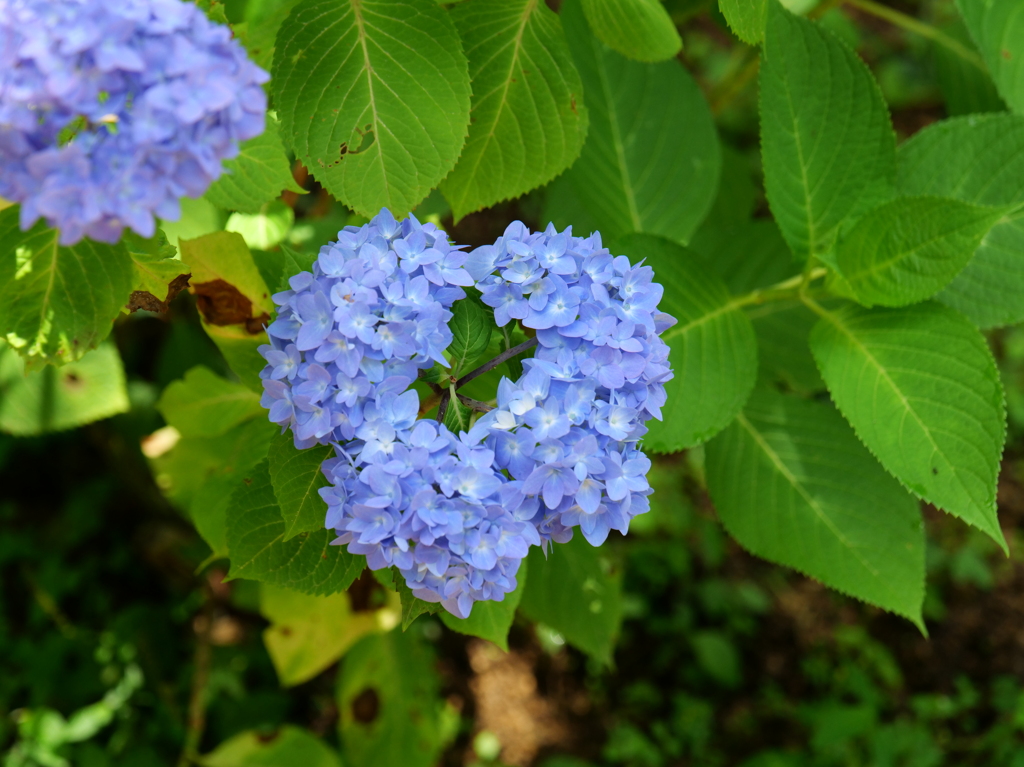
<point>200,474</point>
<point>528,121</point>
<point>575,591</point>
<point>651,161</point>
<point>296,477</point>
<point>977,159</point>
<point>258,175</point>
<point>922,391</point>
<point>56,302</point>
<point>826,139</point>
<point>374,97</point>
<point>811,497</point>
<point>997,27</point>
<point>910,248</point>
<point>639,29</point>
<point>308,633</point>
<point>490,620</point>
<point>746,18</point>
<point>288,746</point>
<point>156,271</point>
<point>256,545</point>
<point>203,404</point>
<point>54,399</point>
<point>713,351</point>
<point>388,697</point>
<point>965,84</point>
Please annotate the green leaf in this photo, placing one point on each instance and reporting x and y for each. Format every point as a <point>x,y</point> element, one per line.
<point>826,139</point>
<point>201,473</point>
<point>966,87</point>
<point>54,399</point>
<point>812,498</point>
<point>373,97</point>
<point>293,262</point>
<point>488,619</point>
<point>639,29</point>
<point>56,302</point>
<point>290,745</point>
<point>203,404</point>
<point>471,325</point>
<point>155,263</point>
<point>412,606</point>
<point>256,545</point>
<point>977,159</point>
<point>389,701</point>
<point>922,391</point>
<point>264,229</point>
<point>713,351</point>
<point>575,591</point>
<point>296,477</point>
<point>308,634</point>
<point>746,18</point>
<point>783,330</point>
<point>258,33</point>
<point>527,122</point>
<point>457,417</point>
<point>651,161</point>
<point>907,250</point>
<point>257,176</point>
<point>997,27</point>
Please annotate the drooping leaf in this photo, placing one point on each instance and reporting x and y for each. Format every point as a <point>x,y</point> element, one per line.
<point>200,474</point>
<point>488,619</point>
<point>256,545</point>
<point>997,27</point>
<point>814,499</point>
<point>203,404</point>
<point>57,303</point>
<point>388,698</point>
<point>374,98</point>
<point>257,176</point>
<point>576,592</point>
<point>714,353</point>
<point>921,390</point>
<point>639,29</point>
<point>528,121</point>
<point>978,159</point>
<point>746,18</point>
<point>232,298</point>
<point>54,399</point>
<point>290,745</point>
<point>910,248</point>
<point>826,139</point>
<point>296,477</point>
<point>308,633</point>
<point>651,161</point>
<point>457,417</point>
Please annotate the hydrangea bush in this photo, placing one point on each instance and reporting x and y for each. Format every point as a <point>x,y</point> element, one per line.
<point>457,513</point>
<point>110,112</point>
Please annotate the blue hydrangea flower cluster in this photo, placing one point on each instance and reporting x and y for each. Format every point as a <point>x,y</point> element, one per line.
<point>456,514</point>
<point>567,432</point>
<point>112,111</point>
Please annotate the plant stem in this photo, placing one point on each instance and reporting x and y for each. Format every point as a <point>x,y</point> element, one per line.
<point>487,367</point>
<point>790,288</point>
<point>474,404</point>
<point>919,27</point>
<point>200,678</point>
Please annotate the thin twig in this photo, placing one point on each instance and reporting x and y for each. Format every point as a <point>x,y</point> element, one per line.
<point>487,367</point>
<point>919,27</point>
<point>474,404</point>
<point>200,679</point>
<point>442,406</point>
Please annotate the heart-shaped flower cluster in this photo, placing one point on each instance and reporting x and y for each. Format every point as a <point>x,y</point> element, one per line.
<point>112,111</point>
<point>456,514</point>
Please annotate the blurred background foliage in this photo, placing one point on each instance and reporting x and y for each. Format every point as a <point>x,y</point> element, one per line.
<point>121,644</point>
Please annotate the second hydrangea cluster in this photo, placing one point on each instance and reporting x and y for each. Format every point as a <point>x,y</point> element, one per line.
<point>112,111</point>
<point>456,514</point>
